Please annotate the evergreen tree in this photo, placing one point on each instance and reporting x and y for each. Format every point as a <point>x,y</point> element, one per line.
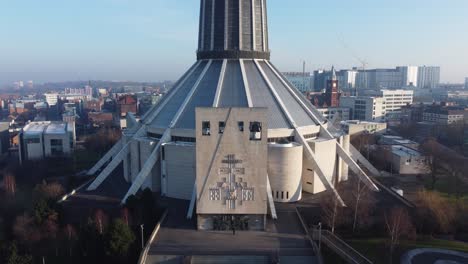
<point>120,239</point>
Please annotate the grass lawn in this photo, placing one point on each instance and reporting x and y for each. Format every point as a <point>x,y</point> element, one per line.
<point>448,186</point>
<point>376,250</point>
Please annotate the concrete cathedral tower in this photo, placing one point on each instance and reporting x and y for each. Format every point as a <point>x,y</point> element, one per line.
<point>233,29</point>
<point>304,153</point>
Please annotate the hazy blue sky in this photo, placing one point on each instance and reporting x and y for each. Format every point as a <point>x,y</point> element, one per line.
<point>149,40</point>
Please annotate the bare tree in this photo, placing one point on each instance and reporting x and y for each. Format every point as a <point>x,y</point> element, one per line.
<point>71,237</point>
<point>9,183</point>
<point>361,201</point>
<point>331,212</point>
<point>100,219</point>
<point>397,223</point>
<point>125,215</point>
<point>431,149</point>
<point>49,191</point>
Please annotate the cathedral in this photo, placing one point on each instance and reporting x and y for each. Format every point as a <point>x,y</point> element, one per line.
<point>232,136</point>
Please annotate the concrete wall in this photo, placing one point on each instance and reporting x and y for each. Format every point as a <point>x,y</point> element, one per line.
<point>34,151</point>
<point>214,172</point>
<point>325,153</point>
<point>178,170</point>
<point>66,141</point>
<point>285,171</point>
<point>410,165</point>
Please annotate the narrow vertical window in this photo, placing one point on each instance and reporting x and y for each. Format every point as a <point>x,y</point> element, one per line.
<point>255,131</point>
<point>241,126</point>
<point>206,130</point>
<point>222,126</point>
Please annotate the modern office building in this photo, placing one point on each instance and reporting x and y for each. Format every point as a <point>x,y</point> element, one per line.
<point>466,83</point>
<point>386,107</point>
<point>428,77</point>
<point>365,108</point>
<point>395,100</point>
<point>39,140</point>
<point>233,135</point>
<point>302,81</point>
<point>377,79</point>
<point>51,98</point>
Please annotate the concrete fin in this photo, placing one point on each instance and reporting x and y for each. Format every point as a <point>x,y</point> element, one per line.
<point>355,167</point>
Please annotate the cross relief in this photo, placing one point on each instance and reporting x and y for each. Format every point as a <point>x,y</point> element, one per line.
<point>232,188</point>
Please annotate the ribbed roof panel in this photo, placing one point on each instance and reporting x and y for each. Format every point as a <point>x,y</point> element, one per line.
<point>294,108</point>
<point>262,96</point>
<point>168,112</point>
<point>203,96</point>
<point>233,89</point>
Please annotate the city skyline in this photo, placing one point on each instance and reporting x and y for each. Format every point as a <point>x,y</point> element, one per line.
<point>121,40</point>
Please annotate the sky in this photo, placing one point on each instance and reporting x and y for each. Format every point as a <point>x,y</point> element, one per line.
<point>154,40</point>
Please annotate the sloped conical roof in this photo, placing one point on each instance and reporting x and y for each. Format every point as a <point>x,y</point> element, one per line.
<point>233,70</point>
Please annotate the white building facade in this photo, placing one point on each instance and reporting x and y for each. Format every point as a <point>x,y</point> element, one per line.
<point>395,100</point>
<point>39,140</point>
<point>365,108</point>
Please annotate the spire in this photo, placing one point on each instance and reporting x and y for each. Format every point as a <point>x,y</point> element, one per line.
<point>233,29</point>
<point>333,77</point>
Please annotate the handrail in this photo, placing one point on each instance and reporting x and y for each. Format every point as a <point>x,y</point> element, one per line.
<point>352,249</point>
<point>345,246</point>
<point>144,253</point>
<point>311,240</point>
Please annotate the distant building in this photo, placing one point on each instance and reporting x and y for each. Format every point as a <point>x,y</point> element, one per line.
<point>428,77</point>
<point>302,81</point>
<point>397,140</point>
<point>341,113</point>
<point>331,96</point>
<point>103,92</point>
<point>466,83</point>
<point>346,79</point>
<point>94,105</point>
<point>395,100</point>
<point>412,113</point>
<point>100,119</point>
<point>354,127</point>
<point>46,139</point>
<point>444,115</point>
<point>126,104</point>
<point>365,108</point>
<point>407,161</point>
<point>4,137</point>
<point>51,98</point>
<point>377,79</point>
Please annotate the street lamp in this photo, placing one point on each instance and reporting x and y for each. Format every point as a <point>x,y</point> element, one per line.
<point>320,236</point>
<point>142,239</point>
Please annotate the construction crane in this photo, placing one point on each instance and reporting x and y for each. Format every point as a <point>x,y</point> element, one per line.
<point>364,63</point>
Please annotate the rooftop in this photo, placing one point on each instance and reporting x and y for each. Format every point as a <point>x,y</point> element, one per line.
<point>36,128</point>
<point>359,122</point>
<point>405,151</point>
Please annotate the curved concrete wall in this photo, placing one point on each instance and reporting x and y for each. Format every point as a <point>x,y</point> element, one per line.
<point>285,171</point>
